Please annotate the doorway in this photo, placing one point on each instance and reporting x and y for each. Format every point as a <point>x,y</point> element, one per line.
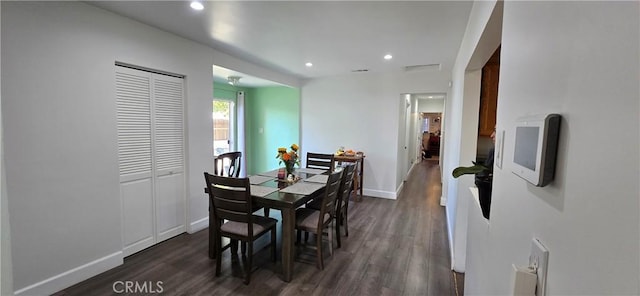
<point>432,113</point>
<point>410,147</point>
<point>431,130</point>
<point>223,126</point>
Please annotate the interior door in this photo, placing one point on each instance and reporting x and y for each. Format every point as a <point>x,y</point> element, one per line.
<point>133,97</point>
<point>151,157</point>
<point>407,138</point>
<point>168,145</point>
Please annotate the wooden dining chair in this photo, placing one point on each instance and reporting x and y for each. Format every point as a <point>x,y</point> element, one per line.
<point>316,221</point>
<point>320,161</point>
<point>342,201</point>
<point>231,160</point>
<point>229,165</point>
<point>232,205</point>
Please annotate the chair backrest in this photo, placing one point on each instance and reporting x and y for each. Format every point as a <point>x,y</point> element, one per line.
<point>330,197</point>
<point>320,161</point>
<point>230,199</point>
<point>344,193</point>
<point>227,164</point>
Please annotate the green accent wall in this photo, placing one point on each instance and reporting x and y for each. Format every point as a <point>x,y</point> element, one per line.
<point>275,110</point>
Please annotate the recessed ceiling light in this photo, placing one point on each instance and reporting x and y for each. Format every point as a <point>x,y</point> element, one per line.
<point>309,64</point>
<point>388,57</point>
<point>197,5</point>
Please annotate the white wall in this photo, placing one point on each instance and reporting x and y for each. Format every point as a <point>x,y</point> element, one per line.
<point>460,127</point>
<point>431,105</point>
<point>360,111</point>
<point>471,105</point>
<point>6,274</point>
<point>410,137</point>
<point>59,114</point>
<point>415,137</point>
<point>230,62</point>
<point>579,59</point>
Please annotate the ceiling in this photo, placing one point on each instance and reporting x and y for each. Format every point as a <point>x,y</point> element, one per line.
<point>338,37</point>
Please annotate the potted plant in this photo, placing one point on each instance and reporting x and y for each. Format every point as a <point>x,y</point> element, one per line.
<point>483,180</point>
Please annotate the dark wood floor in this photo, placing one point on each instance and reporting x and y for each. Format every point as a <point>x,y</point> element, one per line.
<point>395,247</point>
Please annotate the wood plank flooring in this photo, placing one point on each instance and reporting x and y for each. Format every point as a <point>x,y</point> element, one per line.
<point>395,247</point>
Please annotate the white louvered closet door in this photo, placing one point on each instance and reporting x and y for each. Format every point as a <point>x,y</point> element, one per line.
<point>169,156</point>
<point>151,157</point>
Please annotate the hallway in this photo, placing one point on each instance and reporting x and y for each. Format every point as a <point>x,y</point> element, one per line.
<point>395,247</point>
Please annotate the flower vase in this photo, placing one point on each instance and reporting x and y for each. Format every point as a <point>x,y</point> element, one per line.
<point>289,169</point>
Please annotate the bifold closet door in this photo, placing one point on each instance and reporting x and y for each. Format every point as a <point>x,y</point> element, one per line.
<point>169,156</point>
<point>151,157</point>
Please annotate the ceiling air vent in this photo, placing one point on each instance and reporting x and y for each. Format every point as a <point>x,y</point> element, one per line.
<point>360,70</point>
<point>427,67</point>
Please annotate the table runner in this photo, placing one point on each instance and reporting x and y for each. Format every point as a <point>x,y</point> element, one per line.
<point>262,191</point>
<point>318,179</point>
<point>304,188</point>
<point>310,171</point>
<point>256,179</point>
<point>273,173</point>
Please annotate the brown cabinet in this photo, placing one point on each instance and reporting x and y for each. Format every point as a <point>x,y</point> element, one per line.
<point>489,94</point>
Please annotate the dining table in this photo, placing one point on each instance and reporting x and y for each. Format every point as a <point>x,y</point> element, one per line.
<point>270,192</point>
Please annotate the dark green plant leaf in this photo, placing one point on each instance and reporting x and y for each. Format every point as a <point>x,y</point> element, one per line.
<point>474,169</point>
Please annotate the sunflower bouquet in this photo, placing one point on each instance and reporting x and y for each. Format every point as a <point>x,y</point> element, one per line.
<point>289,158</point>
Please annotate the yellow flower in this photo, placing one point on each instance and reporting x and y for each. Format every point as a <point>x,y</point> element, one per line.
<point>290,158</point>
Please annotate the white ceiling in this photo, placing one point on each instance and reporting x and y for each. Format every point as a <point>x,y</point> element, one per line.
<point>336,36</point>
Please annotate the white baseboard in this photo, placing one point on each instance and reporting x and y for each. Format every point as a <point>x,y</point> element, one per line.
<point>399,190</point>
<point>450,236</point>
<point>198,225</point>
<point>380,193</point>
<point>73,276</point>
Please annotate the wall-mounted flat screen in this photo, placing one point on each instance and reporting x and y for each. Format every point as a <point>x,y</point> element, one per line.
<point>526,146</point>
<point>536,145</point>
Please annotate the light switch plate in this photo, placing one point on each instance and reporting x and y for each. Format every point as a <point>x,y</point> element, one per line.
<point>539,259</point>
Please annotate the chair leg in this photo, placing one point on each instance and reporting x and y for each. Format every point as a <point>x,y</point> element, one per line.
<point>338,231</point>
<point>319,260</point>
<point>218,254</point>
<point>243,246</point>
<point>306,237</point>
<point>266,212</point>
<point>249,264</point>
<point>234,246</point>
<point>346,221</point>
<point>298,236</point>
<point>330,234</point>
<point>273,244</point>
